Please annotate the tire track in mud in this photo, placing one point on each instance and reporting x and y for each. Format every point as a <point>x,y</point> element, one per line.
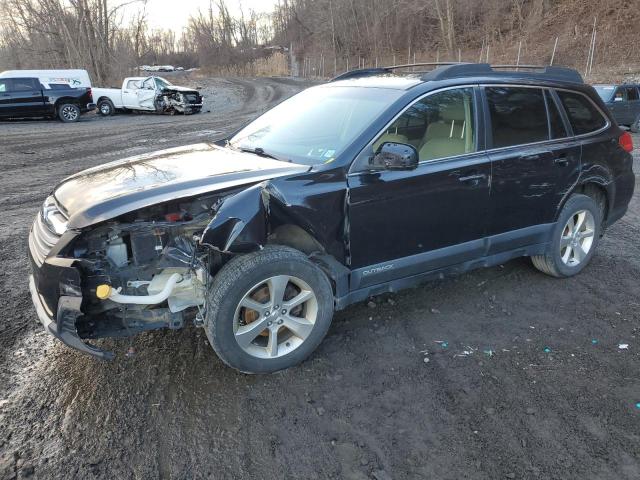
<point>120,135</point>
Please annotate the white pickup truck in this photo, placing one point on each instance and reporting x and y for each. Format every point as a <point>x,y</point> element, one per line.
<point>150,94</point>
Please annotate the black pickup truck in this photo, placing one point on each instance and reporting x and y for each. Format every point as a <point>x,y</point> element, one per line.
<point>27,97</point>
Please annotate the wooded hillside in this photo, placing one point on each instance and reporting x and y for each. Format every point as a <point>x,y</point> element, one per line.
<point>399,31</point>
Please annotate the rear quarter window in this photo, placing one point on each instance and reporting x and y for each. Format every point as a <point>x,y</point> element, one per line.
<point>583,114</point>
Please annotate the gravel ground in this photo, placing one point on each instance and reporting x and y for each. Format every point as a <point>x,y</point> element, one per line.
<point>499,373</point>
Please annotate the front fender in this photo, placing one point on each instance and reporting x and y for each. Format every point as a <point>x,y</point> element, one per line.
<point>240,223</point>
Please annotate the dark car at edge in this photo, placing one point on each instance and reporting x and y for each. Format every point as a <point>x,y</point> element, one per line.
<point>624,103</point>
<point>371,183</point>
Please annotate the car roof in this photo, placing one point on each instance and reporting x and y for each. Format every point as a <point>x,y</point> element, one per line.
<point>451,73</point>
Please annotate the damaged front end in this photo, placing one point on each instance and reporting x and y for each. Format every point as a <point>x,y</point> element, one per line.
<point>178,100</point>
<point>146,270</point>
<point>151,268</point>
<point>141,271</point>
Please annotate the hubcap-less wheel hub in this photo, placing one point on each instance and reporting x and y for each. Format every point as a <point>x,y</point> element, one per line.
<point>275,317</point>
<point>577,238</point>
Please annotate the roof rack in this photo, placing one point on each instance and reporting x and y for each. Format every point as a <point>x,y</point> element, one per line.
<point>367,72</point>
<point>362,72</point>
<point>447,70</point>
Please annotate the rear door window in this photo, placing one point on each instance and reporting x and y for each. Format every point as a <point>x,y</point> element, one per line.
<point>518,115</point>
<point>583,114</point>
<point>23,84</point>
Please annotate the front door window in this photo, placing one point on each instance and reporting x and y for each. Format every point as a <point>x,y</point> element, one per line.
<point>438,126</point>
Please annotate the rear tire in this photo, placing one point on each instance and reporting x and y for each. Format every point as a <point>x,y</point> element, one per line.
<point>574,240</point>
<point>69,112</point>
<point>293,303</point>
<point>106,108</point>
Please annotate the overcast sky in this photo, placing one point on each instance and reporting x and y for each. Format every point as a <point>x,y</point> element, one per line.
<point>174,14</point>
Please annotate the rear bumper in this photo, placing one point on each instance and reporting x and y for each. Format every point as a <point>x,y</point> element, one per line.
<point>63,326</point>
<point>89,107</point>
<point>624,189</point>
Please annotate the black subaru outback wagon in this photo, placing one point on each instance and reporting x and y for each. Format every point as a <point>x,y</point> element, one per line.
<point>368,184</point>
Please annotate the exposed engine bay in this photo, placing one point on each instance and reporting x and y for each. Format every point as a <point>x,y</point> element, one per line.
<point>174,100</point>
<point>146,270</point>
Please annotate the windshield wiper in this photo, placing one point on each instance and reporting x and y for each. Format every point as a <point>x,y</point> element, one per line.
<point>260,151</point>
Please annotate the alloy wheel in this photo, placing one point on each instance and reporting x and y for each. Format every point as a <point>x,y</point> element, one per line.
<point>105,109</point>
<point>69,113</point>
<point>275,317</point>
<point>577,238</point>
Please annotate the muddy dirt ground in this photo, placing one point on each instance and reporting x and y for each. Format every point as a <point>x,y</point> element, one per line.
<point>489,403</point>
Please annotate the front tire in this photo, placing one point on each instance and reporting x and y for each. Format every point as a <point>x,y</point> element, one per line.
<point>268,310</point>
<point>574,240</point>
<point>69,113</point>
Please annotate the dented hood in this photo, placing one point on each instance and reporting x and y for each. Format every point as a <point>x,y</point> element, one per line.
<point>110,190</point>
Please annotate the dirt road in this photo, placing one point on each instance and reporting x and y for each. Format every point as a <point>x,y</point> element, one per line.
<point>524,376</point>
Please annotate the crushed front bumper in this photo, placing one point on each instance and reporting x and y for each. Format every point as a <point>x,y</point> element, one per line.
<point>64,326</point>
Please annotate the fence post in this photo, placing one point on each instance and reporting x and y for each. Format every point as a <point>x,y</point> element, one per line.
<point>587,69</point>
<point>553,54</point>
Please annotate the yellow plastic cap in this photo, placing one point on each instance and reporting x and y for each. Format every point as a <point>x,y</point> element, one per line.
<point>103,291</point>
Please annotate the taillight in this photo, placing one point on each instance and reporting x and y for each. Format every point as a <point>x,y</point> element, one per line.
<point>626,142</point>
<point>90,93</point>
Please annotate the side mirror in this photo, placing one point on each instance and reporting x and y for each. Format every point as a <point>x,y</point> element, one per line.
<point>395,156</point>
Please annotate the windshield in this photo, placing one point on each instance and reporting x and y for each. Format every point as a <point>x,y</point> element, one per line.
<point>605,91</point>
<point>316,125</point>
<point>162,83</point>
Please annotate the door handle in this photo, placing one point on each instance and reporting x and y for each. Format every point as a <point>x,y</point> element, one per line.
<point>535,156</point>
<point>472,178</point>
<point>561,160</point>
